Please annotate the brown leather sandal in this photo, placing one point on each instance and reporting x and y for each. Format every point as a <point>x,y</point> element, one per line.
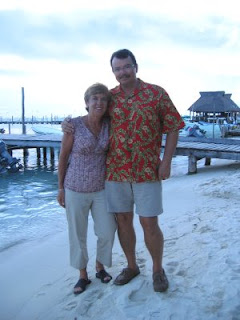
<point>160,281</point>
<point>126,275</point>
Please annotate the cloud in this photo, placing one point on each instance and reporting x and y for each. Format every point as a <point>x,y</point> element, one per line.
<point>55,49</point>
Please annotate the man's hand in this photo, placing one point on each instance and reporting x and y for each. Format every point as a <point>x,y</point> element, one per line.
<point>164,170</point>
<point>67,126</point>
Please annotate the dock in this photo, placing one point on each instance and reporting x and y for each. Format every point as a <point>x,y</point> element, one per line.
<point>194,148</point>
<point>21,141</point>
<point>27,141</point>
<point>199,148</point>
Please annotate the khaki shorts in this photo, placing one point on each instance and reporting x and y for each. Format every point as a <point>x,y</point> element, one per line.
<point>147,197</point>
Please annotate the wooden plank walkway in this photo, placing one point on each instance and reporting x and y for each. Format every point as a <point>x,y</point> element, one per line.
<point>198,148</point>
<point>195,149</point>
<point>32,140</point>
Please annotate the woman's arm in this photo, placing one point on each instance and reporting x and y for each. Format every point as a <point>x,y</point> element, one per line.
<point>66,148</point>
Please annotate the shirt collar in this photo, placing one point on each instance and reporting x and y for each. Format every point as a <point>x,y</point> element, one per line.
<point>118,89</point>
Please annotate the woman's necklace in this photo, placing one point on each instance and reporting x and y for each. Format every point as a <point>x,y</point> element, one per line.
<point>94,128</point>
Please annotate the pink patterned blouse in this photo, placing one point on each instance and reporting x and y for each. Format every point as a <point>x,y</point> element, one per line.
<point>87,162</point>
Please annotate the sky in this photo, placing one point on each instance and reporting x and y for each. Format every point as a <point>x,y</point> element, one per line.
<point>55,49</point>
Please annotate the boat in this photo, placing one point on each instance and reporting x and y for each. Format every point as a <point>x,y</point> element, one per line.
<point>201,129</point>
<point>8,163</point>
<point>46,130</point>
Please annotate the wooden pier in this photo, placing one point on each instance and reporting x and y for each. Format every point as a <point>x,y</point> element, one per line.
<point>32,140</point>
<point>27,141</point>
<point>199,148</point>
<point>194,148</point>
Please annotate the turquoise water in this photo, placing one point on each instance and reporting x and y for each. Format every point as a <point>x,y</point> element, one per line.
<point>28,206</point>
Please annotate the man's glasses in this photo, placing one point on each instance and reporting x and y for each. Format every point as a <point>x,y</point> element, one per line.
<point>127,67</point>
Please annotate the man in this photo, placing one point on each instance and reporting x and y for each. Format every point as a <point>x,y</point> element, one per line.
<point>140,113</point>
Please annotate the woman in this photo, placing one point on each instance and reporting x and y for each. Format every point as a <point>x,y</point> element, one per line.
<point>81,176</point>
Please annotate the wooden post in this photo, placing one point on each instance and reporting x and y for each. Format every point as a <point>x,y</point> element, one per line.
<point>52,153</point>
<point>192,164</point>
<point>207,161</point>
<point>25,152</point>
<point>44,153</point>
<point>38,153</point>
<point>23,113</point>
<point>9,151</point>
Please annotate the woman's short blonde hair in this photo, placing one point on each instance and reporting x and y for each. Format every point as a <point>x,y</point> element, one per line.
<point>95,89</point>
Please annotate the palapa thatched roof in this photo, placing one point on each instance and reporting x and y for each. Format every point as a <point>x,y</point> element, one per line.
<point>214,102</point>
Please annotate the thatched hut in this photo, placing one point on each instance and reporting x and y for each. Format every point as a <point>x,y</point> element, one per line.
<point>214,105</point>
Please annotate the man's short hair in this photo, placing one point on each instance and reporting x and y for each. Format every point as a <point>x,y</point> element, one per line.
<point>123,54</point>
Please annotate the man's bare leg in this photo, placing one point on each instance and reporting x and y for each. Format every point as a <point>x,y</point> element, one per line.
<point>154,240</point>
<point>127,237</point>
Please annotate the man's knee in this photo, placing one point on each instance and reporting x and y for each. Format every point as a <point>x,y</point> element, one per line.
<point>124,218</point>
<point>149,224</point>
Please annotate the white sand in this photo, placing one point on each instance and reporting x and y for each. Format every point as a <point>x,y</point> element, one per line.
<point>201,223</point>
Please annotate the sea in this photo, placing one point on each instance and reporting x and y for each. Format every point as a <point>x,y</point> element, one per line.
<point>29,210</point>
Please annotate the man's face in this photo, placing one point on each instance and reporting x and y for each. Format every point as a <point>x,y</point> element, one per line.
<point>124,70</point>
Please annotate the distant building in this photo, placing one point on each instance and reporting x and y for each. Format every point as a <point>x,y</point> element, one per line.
<point>214,105</point>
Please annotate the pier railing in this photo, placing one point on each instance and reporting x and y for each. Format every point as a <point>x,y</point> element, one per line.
<point>31,121</point>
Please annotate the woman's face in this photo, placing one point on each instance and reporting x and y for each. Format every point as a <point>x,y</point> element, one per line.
<point>97,104</point>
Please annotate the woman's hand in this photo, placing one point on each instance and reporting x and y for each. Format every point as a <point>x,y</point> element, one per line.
<point>67,126</point>
<point>61,197</point>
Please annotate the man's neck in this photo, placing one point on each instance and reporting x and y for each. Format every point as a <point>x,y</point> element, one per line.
<point>128,89</point>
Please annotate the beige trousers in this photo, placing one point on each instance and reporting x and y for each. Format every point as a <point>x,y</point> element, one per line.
<point>78,205</point>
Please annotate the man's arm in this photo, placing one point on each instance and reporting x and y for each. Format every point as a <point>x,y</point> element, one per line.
<point>164,169</point>
<point>67,126</point>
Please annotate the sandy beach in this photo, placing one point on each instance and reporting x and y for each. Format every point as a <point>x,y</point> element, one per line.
<point>201,225</point>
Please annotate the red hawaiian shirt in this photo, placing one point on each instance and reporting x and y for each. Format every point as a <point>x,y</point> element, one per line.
<point>137,124</point>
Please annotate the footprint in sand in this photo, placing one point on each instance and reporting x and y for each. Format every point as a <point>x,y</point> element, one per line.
<point>139,295</point>
<point>40,294</point>
<point>169,243</point>
<point>205,229</point>
<point>70,306</point>
<point>44,289</point>
<point>155,315</point>
<point>89,300</point>
<point>141,262</point>
<point>69,280</point>
<point>181,273</point>
<point>172,266</point>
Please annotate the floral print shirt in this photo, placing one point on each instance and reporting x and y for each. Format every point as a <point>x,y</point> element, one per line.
<point>87,162</point>
<point>137,124</point>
